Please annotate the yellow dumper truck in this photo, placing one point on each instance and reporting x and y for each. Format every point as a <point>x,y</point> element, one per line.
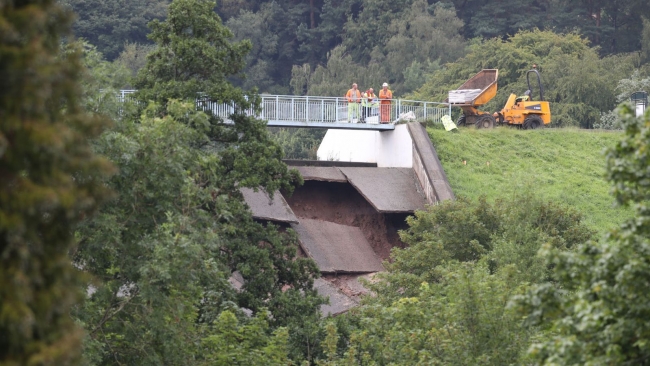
<point>524,110</point>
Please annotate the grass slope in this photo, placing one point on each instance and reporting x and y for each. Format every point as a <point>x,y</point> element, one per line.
<point>565,165</point>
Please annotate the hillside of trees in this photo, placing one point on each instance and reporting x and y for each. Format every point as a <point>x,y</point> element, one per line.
<point>592,54</point>
<point>121,223</point>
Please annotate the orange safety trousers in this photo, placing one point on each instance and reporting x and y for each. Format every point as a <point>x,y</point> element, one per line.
<point>385,107</point>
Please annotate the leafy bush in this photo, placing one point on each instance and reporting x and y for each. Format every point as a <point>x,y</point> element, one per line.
<point>445,298</point>
<point>597,313</point>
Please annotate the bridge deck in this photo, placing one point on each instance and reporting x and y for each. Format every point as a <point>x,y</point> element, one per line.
<point>334,125</point>
<point>328,112</point>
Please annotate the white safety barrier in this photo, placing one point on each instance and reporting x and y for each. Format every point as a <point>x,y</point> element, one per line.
<point>308,110</point>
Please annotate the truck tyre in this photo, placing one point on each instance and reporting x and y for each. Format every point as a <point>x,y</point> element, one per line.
<point>461,121</point>
<point>485,121</point>
<point>532,122</point>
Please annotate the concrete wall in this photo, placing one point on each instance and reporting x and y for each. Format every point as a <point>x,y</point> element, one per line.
<point>408,146</point>
<point>394,148</point>
<point>423,178</point>
<point>427,166</point>
<point>349,145</point>
<point>386,149</point>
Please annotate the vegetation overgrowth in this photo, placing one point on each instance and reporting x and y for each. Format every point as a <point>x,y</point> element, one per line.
<point>514,271</point>
<point>563,165</point>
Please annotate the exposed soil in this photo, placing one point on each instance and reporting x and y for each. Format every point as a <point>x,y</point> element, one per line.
<point>342,204</point>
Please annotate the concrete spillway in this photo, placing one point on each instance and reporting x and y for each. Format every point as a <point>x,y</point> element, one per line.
<point>354,201</point>
<point>337,248</point>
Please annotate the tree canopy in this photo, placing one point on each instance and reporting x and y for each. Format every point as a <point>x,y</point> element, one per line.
<point>596,313</point>
<point>177,253</point>
<point>444,299</point>
<point>194,57</point>
<point>576,81</point>
<point>51,180</point>
<point>110,25</point>
<point>174,269</point>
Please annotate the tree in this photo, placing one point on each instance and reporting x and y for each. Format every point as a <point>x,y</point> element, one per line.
<point>487,20</point>
<point>298,143</point>
<point>335,78</point>
<point>110,25</point>
<point>444,299</point>
<point>193,55</point>
<point>256,28</point>
<point>369,30</point>
<point>506,232</point>
<point>166,246</point>
<point>636,82</point>
<point>424,38</point>
<point>597,312</point>
<point>134,56</point>
<point>101,83</point>
<point>163,252</point>
<point>612,26</point>
<point>50,181</point>
<point>412,40</point>
<point>462,319</point>
<point>645,42</point>
<point>577,82</point>
<point>248,344</point>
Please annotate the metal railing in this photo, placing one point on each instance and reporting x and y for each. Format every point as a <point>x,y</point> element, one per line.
<point>324,110</point>
<point>125,95</point>
<point>338,110</point>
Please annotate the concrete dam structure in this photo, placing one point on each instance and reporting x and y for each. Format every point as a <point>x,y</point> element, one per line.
<point>355,199</point>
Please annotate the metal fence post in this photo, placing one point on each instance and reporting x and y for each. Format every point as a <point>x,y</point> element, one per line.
<point>399,108</point>
<point>307,108</point>
<point>277,106</point>
<point>336,110</point>
<point>425,111</point>
<point>322,110</point>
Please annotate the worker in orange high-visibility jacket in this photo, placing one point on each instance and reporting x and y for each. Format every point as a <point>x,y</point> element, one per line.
<point>385,96</point>
<point>354,100</point>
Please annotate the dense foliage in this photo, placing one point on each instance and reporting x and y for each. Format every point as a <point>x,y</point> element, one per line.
<point>177,260</point>
<point>175,270</point>
<point>597,314</point>
<point>49,181</point>
<point>297,46</point>
<point>445,298</point>
<point>193,57</point>
<point>110,25</point>
<point>576,81</point>
<point>167,245</point>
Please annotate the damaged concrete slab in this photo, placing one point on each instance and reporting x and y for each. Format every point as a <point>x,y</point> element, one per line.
<point>389,190</point>
<point>339,302</point>
<point>344,291</point>
<point>322,173</point>
<point>337,248</point>
<point>265,208</point>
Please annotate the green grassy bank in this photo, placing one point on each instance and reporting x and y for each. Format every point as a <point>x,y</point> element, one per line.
<point>565,165</point>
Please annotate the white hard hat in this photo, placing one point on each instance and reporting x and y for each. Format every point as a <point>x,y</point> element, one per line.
<point>385,84</point>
